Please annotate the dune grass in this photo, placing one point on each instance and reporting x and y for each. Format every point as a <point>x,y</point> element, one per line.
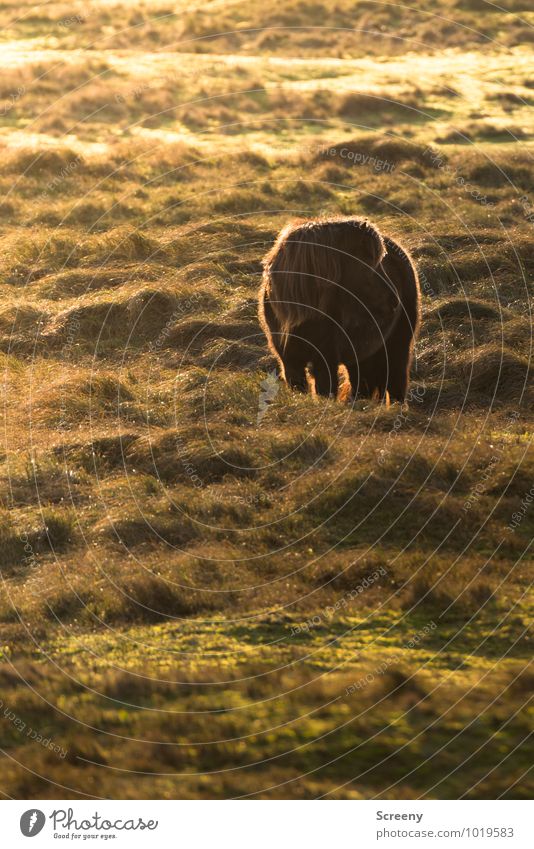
<point>206,593</point>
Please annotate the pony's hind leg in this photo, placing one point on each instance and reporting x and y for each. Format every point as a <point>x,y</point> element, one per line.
<point>295,356</point>
<point>324,356</point>
<point>296,377</point>
<point>308,346</point>
<point>367,381</point>
<point>326,377</point>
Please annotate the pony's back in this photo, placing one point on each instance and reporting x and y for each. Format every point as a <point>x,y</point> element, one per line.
<point>306,273</point>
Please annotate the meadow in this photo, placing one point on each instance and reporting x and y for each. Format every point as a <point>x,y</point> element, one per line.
<point>213,587</point>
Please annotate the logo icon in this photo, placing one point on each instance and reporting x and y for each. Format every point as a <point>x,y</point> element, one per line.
<point>32,822</point>
<point>269,390</point>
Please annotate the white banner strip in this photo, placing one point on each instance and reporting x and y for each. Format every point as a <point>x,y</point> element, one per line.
<point>267,824</point>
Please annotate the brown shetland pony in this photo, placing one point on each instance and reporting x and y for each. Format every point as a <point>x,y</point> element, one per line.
<point>335,291</point>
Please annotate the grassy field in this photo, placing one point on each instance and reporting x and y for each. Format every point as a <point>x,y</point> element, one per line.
<point>211,586</point>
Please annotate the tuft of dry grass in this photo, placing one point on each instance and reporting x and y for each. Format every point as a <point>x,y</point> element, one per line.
<point>210,569</point>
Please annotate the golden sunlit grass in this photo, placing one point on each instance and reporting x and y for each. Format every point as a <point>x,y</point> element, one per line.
<point>180,607</point>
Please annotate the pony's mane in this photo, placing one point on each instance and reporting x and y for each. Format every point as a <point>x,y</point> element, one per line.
<point>303,270</point>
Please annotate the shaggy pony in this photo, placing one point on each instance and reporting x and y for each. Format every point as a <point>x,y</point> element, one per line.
<point>335,291</point>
